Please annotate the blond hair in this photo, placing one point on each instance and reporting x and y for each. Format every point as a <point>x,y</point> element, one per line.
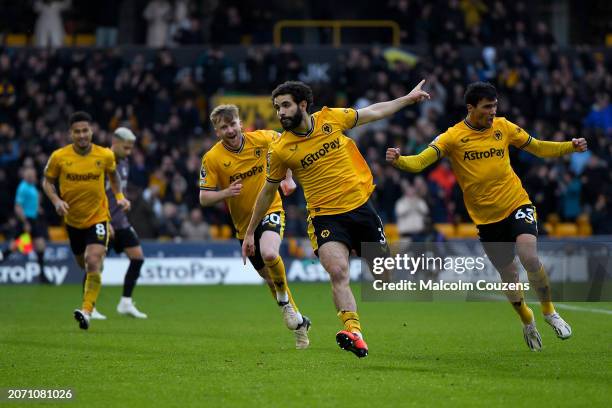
<point>223,113</point>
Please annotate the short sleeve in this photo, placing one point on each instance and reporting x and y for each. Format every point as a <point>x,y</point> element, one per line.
<point>52,169</point>
<point>347,117</point>
<point>442,144</point>
<point>276,170</point>
<point>20,195</point>
<point>517,136</point>
<point>111,164</point>
<point>270,136</point>
<point>208,178</point>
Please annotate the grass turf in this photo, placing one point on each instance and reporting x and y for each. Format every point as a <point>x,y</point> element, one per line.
<point>227,346</point>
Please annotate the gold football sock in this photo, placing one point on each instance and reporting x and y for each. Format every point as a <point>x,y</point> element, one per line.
<point>539,282</point>
<point>517,300</point>
<point>276,269</point>
<point>350,320</point>
<point>93,283</point>
<point>524,312</point>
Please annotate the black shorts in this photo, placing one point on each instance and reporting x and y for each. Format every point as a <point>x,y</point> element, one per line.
<point>124,238</point>
<point>523,220</point>
<point>274,222</point>
<point>38,228</point>
<point>81,238</point>
<point>352,228</point>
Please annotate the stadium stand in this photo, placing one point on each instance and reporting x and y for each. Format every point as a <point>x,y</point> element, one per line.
<point>554,92</point>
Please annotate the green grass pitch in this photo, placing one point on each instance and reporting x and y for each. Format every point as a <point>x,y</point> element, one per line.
<point>213,346</point>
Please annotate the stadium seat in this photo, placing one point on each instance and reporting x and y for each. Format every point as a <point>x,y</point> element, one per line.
<point>85,40</point>
<point>553,219</point>
<point>57,234</point>
<point>215,232</point>
<point>392,233</point>
<point>565,229</point>
<point>295,248</point>
<point>466,230</point>
<point>549,228</point>
<point>16,40</point>
<point>226,232</point>
<point>448,230</point>
<point>584,226</point>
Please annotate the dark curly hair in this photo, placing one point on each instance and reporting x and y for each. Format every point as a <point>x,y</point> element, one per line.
<point>79,116</point>
<point>477,91</point>
<point>299,92</point>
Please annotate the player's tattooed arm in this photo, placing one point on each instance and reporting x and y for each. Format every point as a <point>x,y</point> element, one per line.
<point>115,182</point>
<point>382,110</point>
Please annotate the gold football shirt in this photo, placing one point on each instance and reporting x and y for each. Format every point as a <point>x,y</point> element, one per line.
<point>81,182</point>
<point>481,163</point>
<point>334,175</point>
<point>221,166</point>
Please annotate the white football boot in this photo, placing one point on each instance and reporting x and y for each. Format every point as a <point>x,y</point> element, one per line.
<point>532,337</point>
<point>127,307</point>
<point>563,330</point>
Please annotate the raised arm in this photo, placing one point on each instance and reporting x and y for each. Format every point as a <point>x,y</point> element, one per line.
<point>542,148</point>
<point>264,200</point>
<point>382,110</point>
<point>412,164</point>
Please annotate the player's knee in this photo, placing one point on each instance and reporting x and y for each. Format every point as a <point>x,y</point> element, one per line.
<point>269,255</point>
<point>93,262</point>
<point>338,272</point>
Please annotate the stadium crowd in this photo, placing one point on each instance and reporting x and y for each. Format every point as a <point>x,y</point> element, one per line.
<point>553,94</point>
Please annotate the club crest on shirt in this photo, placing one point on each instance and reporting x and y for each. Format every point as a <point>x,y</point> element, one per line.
<point>498,135</point>
<point>324,233</point>
<point>98,163</point>
<point>258,152</point>
<point>327,128</point>
<point>229,163</point>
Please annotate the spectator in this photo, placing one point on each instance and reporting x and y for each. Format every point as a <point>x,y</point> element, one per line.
<point>411,212</point>
<point>49,28</point>
<point>195,228</point>
<point>170,223</point>
<point>158,14</point>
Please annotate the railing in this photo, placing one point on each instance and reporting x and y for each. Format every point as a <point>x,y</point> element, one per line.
<point>337,26</point>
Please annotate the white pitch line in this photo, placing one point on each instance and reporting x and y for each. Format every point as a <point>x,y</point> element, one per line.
<point>583,309</point>
<point>562,306</point>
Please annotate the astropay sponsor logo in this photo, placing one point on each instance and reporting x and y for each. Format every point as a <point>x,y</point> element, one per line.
<point>30,272</point>
<point>476,155</point>
<point>241,176</point>
<point>323,150</point>
<point>183,271</point>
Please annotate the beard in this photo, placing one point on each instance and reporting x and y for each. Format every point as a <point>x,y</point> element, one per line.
<point>294,121</point>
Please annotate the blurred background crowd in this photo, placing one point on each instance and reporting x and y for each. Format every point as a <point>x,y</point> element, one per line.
<point>554,92</point>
